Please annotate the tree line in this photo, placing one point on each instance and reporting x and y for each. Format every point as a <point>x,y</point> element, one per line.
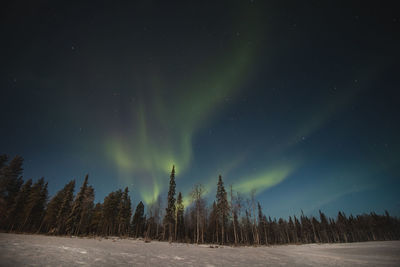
<point>231,219</point>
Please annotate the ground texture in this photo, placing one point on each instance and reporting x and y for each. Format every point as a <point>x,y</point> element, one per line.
<point>38,250</point>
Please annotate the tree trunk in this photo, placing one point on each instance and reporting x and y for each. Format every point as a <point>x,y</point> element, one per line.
<point>216,225</point>
<point>234,231</point>
<point>197,224</point>
<point>176,229</point>
<point>170,232</point>
<point>222,231</point>
<point>163,235</point>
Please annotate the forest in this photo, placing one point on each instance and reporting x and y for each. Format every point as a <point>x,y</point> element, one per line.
<point>25,207</point>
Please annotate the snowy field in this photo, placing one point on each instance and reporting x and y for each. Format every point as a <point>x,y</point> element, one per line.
<point>38,250</point>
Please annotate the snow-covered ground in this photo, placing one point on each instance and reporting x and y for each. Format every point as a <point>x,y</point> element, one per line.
<point>39,250</point>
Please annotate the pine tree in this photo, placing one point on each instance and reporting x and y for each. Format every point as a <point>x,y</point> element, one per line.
<point>10,184</point>
<point>262,221</point>
<point>179,218</point>
<point>341,223</point>
<point>315,225</point>
<point>65,208</point>
<point>298,229</point>
<point>16,214</point>
<point>87,209</point>
<point>3,161</point>
<point>96,221</point>
<point>292,231</point>
<point>53,208</point>
<point>138,220</point>
<point>170,210</point>
<point>222,207</point>
<point>125,213</point>
<point>74,218</point>
<point>111,207</point>
<point>51,212</point>
<point>35,206</point>
<point>325,232</point>
<point>3,208</point>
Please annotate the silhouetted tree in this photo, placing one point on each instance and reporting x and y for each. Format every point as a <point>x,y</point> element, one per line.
<point>170,210</point>
<point>96,221</point>
<point>138,220</point>
<point>124,213</point>
<point>262,220</point>
<point>222,207</point>
<point>10,183</point>
<point>110,212</point>
<point>16,214</point>
<point>197,194</point>
<point>180,223</point>
<point>87,209</point>
<point>53,208</point>
<point>74,218</point>
<point>65,208</point>
<point>35,206</point>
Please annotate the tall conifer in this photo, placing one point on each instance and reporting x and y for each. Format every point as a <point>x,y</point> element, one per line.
<point>65,208</point>
<point>222,207</point>
<point>170,210</point>
<point>180,224</point>
<point>74,217</point>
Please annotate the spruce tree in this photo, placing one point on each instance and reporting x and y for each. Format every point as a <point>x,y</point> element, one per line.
<point>35,206</point>
<point>87,209</point>
<point>125,213</point>
<point>65,208</point>
<point>10,184</point>
<point>51,212</point>
<point>292,231</point>
<point>15,216</point>
<point>138,220</point>
<point>3,161</point>
<point>170,210</point>
<point>96,221</point>
<point>298,229</point>
<point>111,207</point>
<point>341,223</point>
<point>222,207</point>
<point>74,218</point>
<point>53,208</point>
<point>180,225</point>
<point>324,228</point>
<point>262,221</point>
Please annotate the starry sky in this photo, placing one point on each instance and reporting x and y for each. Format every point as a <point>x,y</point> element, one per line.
<point>297,100</point>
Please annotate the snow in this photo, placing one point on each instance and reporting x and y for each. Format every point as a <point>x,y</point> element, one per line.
<point>39,250</point>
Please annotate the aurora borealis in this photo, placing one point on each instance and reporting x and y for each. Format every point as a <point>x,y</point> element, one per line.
<point>295,100</point>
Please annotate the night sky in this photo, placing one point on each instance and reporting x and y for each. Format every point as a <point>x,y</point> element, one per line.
<point>298,100</point>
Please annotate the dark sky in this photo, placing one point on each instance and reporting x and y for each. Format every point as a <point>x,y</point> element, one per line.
<point>295,99</point>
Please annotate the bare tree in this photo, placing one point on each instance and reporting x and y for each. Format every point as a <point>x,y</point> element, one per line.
<point>196,195</point>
